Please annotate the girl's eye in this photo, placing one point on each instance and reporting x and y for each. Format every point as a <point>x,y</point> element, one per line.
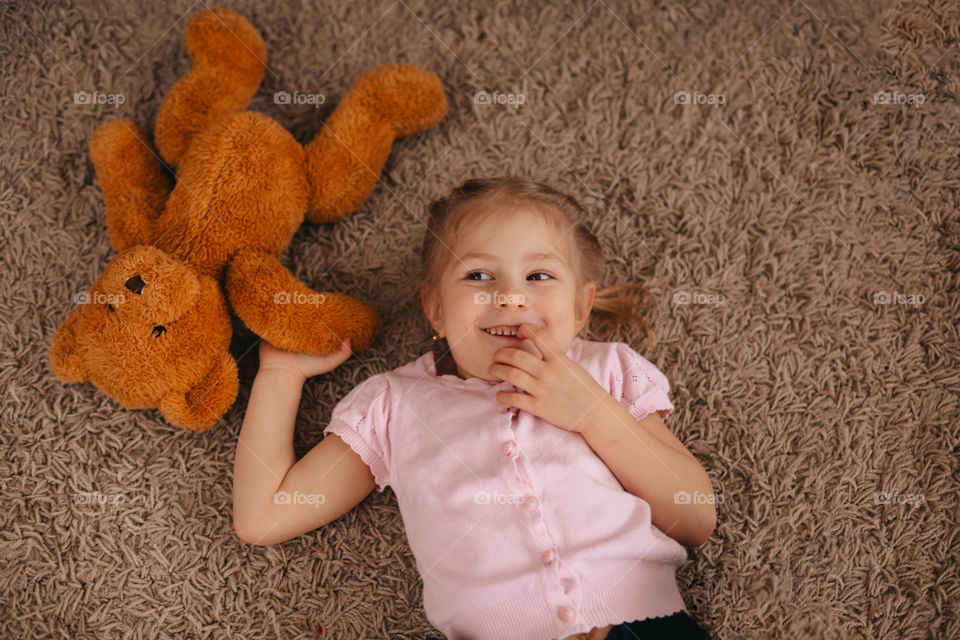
<point>538,273</point>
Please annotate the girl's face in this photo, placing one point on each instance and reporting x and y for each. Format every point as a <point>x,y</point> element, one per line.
<point>503,278</point>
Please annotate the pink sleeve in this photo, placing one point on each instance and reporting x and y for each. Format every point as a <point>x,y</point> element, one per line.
<point>637,384</point>
<point>362,420</point>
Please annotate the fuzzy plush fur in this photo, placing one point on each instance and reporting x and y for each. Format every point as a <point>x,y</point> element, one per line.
<point>154,330</point>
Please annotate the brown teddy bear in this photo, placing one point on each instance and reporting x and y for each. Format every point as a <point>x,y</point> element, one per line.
<point>154,330</point>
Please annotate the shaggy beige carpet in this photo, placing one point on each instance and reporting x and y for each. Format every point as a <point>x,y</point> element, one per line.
<point>783,175</point>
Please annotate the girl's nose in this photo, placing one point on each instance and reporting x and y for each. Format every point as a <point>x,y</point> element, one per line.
<point>508,298</point>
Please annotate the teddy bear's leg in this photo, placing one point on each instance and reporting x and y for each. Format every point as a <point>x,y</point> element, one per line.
<point>279,308</point>
<point>345,158</point>
<point>229,57</point>
<point>135,184</point>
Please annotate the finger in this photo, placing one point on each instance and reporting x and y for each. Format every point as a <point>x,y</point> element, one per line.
<point>540,338</point>
<point>520,359</point>
<point>336,358</point>
<point>517,377</point>
<point>345,351</point>
<point>518,400</point>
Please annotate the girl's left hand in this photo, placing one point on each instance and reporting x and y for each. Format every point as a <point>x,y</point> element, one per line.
<point>558,389</point>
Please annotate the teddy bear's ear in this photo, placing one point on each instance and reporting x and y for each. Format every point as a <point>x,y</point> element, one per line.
<point>204,404</point>
<point>63,355</point>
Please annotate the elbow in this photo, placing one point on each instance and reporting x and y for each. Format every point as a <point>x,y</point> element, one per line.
<point>247,532</point>
<point>243,533</point>
<point>705,519</point>
<point>705,529</point>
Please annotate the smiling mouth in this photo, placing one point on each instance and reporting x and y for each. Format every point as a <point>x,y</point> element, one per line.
<point>504,333</point>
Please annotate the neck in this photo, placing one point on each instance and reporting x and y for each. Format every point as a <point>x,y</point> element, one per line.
<point>446,365</point>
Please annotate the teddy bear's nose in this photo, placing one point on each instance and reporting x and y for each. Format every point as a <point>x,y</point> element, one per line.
<point>135,284</point>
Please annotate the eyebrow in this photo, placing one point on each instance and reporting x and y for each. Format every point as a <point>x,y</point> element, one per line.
<point>529,256</point>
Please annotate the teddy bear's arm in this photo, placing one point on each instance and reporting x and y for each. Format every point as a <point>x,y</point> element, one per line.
<point>345,158</point>
<point>135,184</point>
<point>203,405</point>
<point>279,308</point>
<point>63,357</point>
<point>229,57</point>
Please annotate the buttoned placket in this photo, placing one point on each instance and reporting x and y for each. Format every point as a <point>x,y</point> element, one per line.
<point>564,596</point>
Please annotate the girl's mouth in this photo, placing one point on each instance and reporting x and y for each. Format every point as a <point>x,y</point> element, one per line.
<point>504,336</point>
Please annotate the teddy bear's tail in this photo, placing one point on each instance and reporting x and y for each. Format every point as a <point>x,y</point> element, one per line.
<point>229,57</point>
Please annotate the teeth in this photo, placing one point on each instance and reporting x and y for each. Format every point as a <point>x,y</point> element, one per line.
<point>502,331</point>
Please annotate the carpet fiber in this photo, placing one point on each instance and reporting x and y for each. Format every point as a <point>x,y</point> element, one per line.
<point>783,175</point>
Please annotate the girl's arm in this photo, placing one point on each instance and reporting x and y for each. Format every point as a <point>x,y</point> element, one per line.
<point>276,497</point>
<point>653,464</point>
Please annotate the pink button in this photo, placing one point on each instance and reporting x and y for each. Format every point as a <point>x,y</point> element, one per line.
<point>509,448</point>
<point>565,613</point>
<point>531,503</point>
<point>548,556</point>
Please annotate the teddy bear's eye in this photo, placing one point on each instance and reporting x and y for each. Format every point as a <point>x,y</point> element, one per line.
<point>111,307</point>
<point>159,329</point>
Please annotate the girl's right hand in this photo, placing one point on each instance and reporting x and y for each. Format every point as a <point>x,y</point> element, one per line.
<point>302,364</point>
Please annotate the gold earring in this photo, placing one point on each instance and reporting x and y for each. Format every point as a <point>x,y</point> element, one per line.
<point>436,337</point>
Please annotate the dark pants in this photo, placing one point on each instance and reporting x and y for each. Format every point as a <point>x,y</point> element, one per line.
<point>678,626</point>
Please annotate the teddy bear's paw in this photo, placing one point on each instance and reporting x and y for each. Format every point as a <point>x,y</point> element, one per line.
<point>206,402</point>
<point>229,59</point>
<point>63,356</point>
<point>317,323</point>
<point>408,98</point>
<point>346,156</point>
<point>135,184</point>
<point>285,312</point>
<point>224,38</point>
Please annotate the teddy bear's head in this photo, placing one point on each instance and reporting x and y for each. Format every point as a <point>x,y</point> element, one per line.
<point>152,332</point>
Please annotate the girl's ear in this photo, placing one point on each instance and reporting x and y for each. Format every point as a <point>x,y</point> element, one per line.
<point>588,294</point>
<point>431,307</point>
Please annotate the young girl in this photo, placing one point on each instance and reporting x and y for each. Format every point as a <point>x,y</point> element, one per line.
<point>542,495</point>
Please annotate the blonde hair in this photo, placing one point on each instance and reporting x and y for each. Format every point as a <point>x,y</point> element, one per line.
<point>479,199</point>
